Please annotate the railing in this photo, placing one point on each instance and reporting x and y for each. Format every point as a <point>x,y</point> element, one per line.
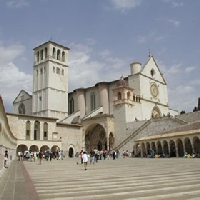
<point>132,135</point>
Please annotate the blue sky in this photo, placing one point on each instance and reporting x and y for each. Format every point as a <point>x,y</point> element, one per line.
<point>104,37</point>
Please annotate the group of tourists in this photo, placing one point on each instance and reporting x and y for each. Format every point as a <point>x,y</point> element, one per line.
<point>95,155</point>
<point>42,155</point>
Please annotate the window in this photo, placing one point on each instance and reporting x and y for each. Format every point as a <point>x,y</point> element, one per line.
<point>128,95</point>
<point>152,72</point>
<point>71,106</point>
<point>92,101</point>
<point>36,130</point>
<point>54,52</point>
<point>58,70</point>
<point>45,131</point>
<point>58,54</point>
<point>38,56</point>
<point>28,127</point>
<point>45,54</point>
<point>63,56</point>
<point>119,96</point>
<point>62,71</point>
<point>53,69</point>
<point>41,54</point>
<point>21,109</point>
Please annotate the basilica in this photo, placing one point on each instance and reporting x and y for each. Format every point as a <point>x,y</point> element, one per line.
<point>129,113</point>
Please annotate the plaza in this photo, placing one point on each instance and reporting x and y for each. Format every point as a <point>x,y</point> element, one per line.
<point>123,178</point>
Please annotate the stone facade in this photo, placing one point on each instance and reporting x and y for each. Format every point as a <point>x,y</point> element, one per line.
<point>108,115</point>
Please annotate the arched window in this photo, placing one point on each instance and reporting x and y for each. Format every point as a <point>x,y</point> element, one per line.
<point>53,69</point>
<point>41,54</point>
<point>37,130</point>
<point>63,56</point>
<point>57,70</point>
<point>58,54</point>
<point>28,128</point>
<point>71,105</point>
<point>54,52</point>
<point>119,96</point>
<point>45,52</point>
<point>92,101</point>
<point>38,56</point>
<point>62,71</point>
<point>45,131</point>
<point>128,95</point>
<point>21,109</point>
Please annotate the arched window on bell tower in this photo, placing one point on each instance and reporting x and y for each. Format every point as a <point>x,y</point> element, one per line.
<point>119,95</point>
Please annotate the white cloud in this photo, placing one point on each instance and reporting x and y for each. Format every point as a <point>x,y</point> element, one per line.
<point>190,69</point>
<point>12,80</point>
<point>142,39</point>
<point>84,72</point>
<point>175,22</point>
<point>177,4</point>
<point>125,4</point>
<point>17,3</point>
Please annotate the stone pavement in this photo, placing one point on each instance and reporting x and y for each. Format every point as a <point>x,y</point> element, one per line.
<point>129,178</point>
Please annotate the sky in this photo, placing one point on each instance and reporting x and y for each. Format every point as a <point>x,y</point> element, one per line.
<point>104,37</point>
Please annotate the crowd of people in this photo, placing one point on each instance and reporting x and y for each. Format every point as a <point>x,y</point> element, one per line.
<point>41,155</point>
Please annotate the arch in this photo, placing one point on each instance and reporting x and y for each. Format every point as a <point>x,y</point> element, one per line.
<point>180,148</point>
<point>156,112</point>
<point>63,56</point>
<point>45,131</point>
<point>36,130</point>
<point>34,148</point>
<point>119,96</point>
<point>148,148</point>
<point>45,52</point>
<point>172,148</point>
<point>71,152</point>
<point>54,53</point>
<point>111,141</point>
<point>28,128</point>
<point>21,108</point>
<point>38,56</point>
<point>41,54</point>
<point>22,148</point>
<point>153,147</point>
<point>71,105</point>
<point>165,148</point>
<point>196,145</point>
<point>143,149</point>
<point>93,134</point>
<point>58,54</point>
<point>44,148</point>
<point>188,146</point>
<point>128,95</point>
<point>55,148</point>
<point>159,150</point>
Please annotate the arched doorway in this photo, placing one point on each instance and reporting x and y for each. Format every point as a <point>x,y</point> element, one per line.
<point>165,148</point>
<point>22,148</point>
<point>95,137</point>
<point>44,148</point>
<point>180,148</point>
<point>34,148</point>
<point>196,143</point>
<point>172,148</point>
<point>71,152</point>
<point>159,151</point>
<point>188,146</point>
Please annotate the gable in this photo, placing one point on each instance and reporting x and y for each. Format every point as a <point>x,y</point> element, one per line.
<point>152,70</point>
<point>23,95</point>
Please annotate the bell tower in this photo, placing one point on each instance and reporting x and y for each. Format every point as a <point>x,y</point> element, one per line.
<point>50,80</point>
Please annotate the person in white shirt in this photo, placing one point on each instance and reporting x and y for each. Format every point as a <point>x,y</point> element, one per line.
<point>85,159</point>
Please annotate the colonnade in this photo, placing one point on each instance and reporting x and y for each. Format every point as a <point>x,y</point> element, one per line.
<point>170,147</point>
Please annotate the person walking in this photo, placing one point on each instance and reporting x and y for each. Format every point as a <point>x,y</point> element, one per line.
<point>85,159</point>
